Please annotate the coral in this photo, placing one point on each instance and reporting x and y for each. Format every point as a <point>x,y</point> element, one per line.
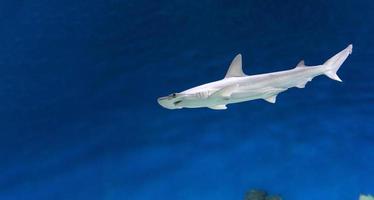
<point>366,197</point>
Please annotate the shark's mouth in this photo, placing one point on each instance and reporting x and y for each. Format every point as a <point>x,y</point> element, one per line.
<point>177,102</point>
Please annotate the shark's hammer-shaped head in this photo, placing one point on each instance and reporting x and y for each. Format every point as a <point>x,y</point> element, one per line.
<point>171,101</point>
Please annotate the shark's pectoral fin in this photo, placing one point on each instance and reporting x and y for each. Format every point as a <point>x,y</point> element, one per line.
<point>218,107</point>
<point>225,92</point>
<point>271,99</point>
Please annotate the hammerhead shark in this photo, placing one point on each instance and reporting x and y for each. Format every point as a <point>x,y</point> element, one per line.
<point>237,87</point>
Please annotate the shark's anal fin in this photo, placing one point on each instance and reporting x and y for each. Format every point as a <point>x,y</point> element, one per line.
<point>302,85</point>
<point>218,107</point>
<point>225,92</point>
<point>271,99</point>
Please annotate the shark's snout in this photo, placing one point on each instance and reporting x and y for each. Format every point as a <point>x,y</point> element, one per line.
<point>170,102</point>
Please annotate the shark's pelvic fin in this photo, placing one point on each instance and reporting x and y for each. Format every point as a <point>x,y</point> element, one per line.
<point>302,85</point>
<point>218,107</point>
<point>271,99</point>
<point>235,69</point>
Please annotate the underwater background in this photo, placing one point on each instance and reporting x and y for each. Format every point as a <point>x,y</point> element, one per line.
<point>79,82</point>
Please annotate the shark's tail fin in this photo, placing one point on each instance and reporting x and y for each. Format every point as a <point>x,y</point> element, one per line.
<point>333,64</point>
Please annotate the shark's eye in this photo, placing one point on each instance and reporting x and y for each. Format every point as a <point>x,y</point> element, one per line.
<point>174,95</point>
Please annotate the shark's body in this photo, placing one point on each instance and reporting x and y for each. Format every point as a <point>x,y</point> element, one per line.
<point>238,87</point>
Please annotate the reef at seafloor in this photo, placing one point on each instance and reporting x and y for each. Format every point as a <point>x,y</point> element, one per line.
<point>256,194</point>
<point>366,197</point>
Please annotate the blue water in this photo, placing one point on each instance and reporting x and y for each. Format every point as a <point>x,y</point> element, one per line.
<point>79,117</point>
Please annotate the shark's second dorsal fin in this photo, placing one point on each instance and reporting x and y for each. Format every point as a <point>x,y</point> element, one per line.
<point>300,64</point>
<point>235,69</point>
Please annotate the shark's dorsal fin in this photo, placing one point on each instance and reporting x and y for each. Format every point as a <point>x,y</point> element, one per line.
<point>235,69</point>
<point>301,64</point>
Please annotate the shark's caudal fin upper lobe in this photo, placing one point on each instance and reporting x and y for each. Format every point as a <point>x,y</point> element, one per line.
<point>333,64</point>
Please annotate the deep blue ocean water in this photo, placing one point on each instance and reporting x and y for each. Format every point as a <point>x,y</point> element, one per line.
<point>79,117</point>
